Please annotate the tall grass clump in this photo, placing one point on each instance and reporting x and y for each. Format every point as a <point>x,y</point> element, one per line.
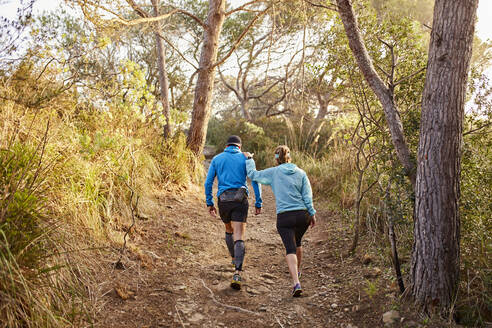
<point>110,155</point>
<point>30,248</point>
<point>67,176</point>
<point>475,299</point>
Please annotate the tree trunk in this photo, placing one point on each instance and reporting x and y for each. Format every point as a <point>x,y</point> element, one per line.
<point>436,252</point>
<point>206,76</point>
<point>245,111</point>
<point>161,63</point>
<point>323,101</point>
<point>384,94</point>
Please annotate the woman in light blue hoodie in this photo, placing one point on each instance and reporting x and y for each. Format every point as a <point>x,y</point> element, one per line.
<point>294,202</point>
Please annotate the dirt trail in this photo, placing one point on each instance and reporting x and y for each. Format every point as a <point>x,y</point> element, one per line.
<point>182,250</point>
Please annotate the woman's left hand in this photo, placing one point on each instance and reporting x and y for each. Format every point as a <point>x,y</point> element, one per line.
<point>247,154</point>
<point>313,221</point>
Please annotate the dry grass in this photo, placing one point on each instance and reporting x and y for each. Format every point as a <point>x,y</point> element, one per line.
<point>78,175</point>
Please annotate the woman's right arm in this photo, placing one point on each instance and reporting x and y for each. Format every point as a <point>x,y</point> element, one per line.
<point>307,195</point>
<point>264,176</point>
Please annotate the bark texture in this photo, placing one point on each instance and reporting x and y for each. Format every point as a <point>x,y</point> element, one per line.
<point>436,251</point>
<point>161,64</point>
<point>206,76</point>
<point>384,94</point>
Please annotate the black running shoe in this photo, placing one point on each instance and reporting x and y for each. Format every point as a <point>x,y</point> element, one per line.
<point>236,281</point>
<point>297,291</point>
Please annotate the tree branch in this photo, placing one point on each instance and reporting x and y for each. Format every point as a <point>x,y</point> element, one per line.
<point>384,94</point>
<point>319,5</point>
<point>228,86</point>
<point>477,129</point>
<point>230,12</point>
<point>409,76</point>
<point>176,49</point>
<point>137,9</point>
<point>145,19</point>
<point>194,17</point>
<point>243,34</point>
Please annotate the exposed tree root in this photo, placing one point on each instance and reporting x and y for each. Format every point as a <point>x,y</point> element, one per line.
<point>231,307</point>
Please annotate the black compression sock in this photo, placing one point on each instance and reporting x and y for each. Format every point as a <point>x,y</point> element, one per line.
<point>239,251</point>
<point>230,243</point>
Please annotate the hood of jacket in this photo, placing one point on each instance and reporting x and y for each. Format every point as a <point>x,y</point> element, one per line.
<point>232,149</point>
<point>288,168</point>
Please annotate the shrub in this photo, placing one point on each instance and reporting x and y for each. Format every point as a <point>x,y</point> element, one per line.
<point>31,297</point>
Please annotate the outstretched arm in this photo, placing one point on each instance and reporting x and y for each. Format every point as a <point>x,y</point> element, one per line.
<point>264,176</point>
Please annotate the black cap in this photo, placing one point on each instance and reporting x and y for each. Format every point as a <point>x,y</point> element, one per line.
<point>234,140</point>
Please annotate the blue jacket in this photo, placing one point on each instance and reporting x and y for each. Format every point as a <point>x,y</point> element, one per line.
<point>289,183</point>
<point>230,169</point>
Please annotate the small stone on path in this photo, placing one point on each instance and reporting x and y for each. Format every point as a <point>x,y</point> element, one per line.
<point>391,317</point>
<point>268,276</point>
<point>196,317</point>
<point>366,259</point>
<point>252,291</point>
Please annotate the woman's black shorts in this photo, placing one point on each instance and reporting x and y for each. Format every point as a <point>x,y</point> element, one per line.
<point>291,226</point>
<point>233,211</point>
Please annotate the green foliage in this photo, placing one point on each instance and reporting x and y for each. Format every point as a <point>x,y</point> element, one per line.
<point>371,288</point>
<point>21,203</point>
<point>31,297</point>
<point>253,136</point>
<point>475,304</point>
<point>178,165</point>
<point>74,191</point>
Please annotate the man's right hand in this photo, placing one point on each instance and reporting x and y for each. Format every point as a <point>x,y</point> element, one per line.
<point>212,211</point>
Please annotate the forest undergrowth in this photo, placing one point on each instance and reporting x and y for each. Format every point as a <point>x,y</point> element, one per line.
<point>81,140</point>
<point>373,196</point>
<point>70,182</point>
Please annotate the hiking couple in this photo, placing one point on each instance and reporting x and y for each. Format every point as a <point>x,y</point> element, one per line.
<point>293,198</point>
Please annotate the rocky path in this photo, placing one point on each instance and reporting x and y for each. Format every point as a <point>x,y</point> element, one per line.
<point>179,274</point>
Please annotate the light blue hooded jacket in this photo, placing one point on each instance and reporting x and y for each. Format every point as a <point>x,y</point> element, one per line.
<point>230,169</point>
<point>289,183</point>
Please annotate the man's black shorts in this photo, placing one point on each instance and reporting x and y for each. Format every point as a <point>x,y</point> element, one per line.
<point>234,211</point>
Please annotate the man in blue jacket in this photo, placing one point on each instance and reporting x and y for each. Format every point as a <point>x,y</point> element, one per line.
<point>230,169</point>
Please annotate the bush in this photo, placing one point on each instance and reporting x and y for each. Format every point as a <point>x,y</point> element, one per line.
<point>31,297</point>
<point>475,300</point>
<point>253,136</point>
<point>70,190</point>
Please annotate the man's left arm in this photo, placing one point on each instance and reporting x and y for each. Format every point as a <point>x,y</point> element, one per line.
<point>209,182</point>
